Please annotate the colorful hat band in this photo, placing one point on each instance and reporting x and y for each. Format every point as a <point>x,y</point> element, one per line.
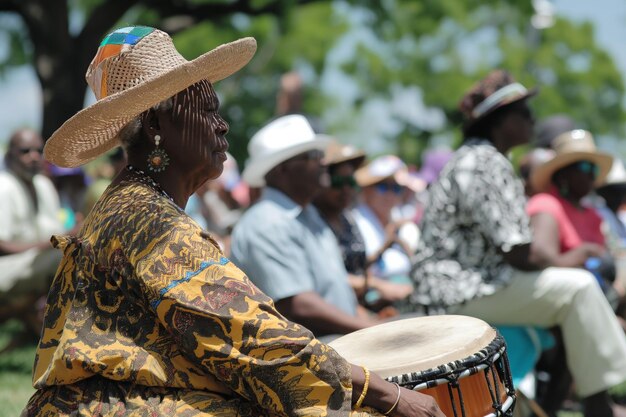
<point>112,46</point>
<point>505,94</point>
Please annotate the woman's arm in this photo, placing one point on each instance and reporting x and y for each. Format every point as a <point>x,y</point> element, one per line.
<point>545,249</point>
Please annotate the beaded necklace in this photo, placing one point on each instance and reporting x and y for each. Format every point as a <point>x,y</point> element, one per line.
<point>144,178</point>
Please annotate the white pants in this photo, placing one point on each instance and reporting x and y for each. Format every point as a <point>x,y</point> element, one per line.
<point>595,344</point>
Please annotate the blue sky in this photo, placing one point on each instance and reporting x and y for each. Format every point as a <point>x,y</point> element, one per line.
<point>21,96</point>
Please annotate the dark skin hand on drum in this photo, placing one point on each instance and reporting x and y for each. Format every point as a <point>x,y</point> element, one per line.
<point>381,395</point>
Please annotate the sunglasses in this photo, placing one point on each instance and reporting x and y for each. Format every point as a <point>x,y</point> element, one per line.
<point>384,187</point>
<point>587,168</point>
<point>25,151</point>
<point>340,181</point>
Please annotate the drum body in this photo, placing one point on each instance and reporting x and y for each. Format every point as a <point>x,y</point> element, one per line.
<point>460,361</point>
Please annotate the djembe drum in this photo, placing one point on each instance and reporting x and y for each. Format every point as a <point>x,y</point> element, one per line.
<point>460,361</point>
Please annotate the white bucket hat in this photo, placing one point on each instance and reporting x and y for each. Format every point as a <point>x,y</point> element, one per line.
<point>134,69</point>
<point>277,142</point>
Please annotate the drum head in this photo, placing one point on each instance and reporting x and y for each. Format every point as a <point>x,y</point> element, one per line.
<point>416,344</point>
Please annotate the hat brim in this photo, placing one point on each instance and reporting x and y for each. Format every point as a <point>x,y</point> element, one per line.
<point>364,179</point>
<point>541,176</point>
<point>256,169</point>
<point>93,130</point>
<point>529,94</point>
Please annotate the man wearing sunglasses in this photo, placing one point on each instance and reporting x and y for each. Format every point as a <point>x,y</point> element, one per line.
<point>29,210</point>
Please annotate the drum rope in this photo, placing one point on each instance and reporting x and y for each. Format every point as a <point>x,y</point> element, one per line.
<point>491,360</point>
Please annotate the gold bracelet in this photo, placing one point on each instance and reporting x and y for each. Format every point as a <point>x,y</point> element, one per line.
<point>393,407</point>
<point>366,385</point>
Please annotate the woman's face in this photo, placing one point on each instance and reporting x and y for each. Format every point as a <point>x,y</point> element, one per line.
<point>199,130</point>
<point>576,180</point>
<point>517,125</point>
<point>383,196</point>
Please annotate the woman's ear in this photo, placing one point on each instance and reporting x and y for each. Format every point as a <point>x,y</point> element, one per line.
<point>150,123</point>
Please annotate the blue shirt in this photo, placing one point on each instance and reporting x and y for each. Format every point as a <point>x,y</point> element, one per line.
<point>286,250</point>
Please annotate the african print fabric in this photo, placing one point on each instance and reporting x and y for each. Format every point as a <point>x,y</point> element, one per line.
<point>146,317</point>
<point>476,212</point>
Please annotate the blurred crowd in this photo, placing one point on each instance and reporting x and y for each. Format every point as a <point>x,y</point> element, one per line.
<point>333,235</point>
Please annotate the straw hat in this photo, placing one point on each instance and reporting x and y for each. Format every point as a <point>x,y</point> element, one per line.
<point>278,141</point>
<point>381,168</point>
<point>496,90</point>
<point>569,147</point>
<point>134,69</point>
<point>337,153</point>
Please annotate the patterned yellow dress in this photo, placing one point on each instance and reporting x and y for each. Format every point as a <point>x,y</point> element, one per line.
<point>146,317</point>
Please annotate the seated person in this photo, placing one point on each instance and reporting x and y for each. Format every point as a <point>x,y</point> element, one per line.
<point>29,216</point>
<point>566,232</point>
<point>282,243</point>
<point>613,194</point>
<point>382,183</point>
<point>146,317</point>
<point>475,255</point>
<point>334,203</point>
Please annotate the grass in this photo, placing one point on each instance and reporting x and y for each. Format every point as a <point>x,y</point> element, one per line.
<point>15,372</point>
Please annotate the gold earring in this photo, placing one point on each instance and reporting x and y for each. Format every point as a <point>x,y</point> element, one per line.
<point>158,159</point>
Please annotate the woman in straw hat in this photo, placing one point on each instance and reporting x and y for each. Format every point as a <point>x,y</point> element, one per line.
<point>566,232</point>
<point>145,315</point>
<point>476,253</point>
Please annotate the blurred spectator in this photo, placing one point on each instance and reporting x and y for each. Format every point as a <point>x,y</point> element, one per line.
<point>333,201</point>
<point>217,205</point>
<point>550,128</point>
<point>567,233</point>
<point>334,205</point>
<point>475,254</point>
<point>529,162</point>
<point>29,208</point>
<point>613,211</point>
<point>71,185</point>
<point>114,162</point>
<point>416,196</point>
<point>433,162</point>
<point>611,206</point>
<point>383,182</point>
<point>290,99</point>
<point>282,243</point>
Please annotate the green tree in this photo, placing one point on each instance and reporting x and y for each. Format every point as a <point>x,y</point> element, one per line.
<point>60,37</point>
<point>431,50</point>
<point>443,47</point>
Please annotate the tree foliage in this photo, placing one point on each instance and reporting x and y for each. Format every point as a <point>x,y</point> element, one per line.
<point>383,52</point>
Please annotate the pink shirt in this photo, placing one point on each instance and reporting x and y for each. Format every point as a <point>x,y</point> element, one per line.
<point>576,224</point>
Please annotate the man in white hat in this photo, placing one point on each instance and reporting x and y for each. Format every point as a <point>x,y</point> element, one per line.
<point>282,243</point>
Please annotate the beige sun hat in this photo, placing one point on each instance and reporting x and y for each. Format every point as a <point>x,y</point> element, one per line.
<point>381,168</point>
<point>278,141</point>
<point>338,153</point>
<point>134,69</point>
<point>569,147</point>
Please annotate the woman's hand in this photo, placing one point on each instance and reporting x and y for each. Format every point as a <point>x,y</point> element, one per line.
<point>382,395</point>
<point>578,256</point>
<point>414,404</point>
<point>391,291</point>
